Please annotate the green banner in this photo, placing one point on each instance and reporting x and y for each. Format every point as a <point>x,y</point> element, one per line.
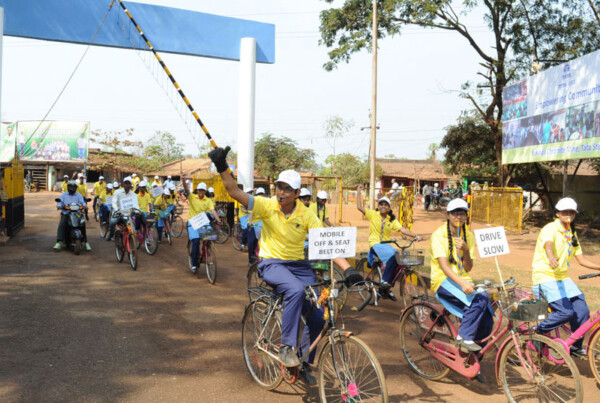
<point>7,141</point>
<point>574,149</point>
<point>53,141</point>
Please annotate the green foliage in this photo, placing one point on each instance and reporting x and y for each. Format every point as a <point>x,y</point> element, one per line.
<point>352,169</point>
<point>433,149</point>
<point>335,127</point>
<point>275,154</point>
<point>115,153</point>
<point>163,147</point>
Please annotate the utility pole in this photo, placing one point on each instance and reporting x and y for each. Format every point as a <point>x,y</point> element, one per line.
<point>373,112</point>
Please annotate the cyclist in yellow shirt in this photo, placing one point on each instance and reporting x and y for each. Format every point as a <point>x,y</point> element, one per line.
<point>82,190</point>
<point>452,253</point>
<point>382,222</point>
<point>97,190</point>
<point>320,208</point>
<point>145,204</point>
<point>105,205</point>
<point>555,247</point>
<point>243,215</point>
<point>135,181</point>
<point>286,222</point>
<point>65,183</point>
<point>161,207</point>
<point>199,203</point>
<point>254,229</point>
<point>305,197</point>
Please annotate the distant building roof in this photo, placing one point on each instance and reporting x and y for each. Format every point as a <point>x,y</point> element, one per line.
<point>187,166</point>
<point>432,170</point>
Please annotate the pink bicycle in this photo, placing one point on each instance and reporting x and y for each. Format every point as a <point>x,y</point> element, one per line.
<point>565,337</point>
<point>526,362</point>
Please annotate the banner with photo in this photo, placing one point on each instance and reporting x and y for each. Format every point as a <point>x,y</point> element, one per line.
<point>7,141</point>
<point>554,115</point>
<point>53,140</point>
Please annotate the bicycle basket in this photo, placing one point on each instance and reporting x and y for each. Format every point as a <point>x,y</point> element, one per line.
<point>151,217</point>
<point>179,210</point>
<point>164,214</point>
<point>532,310</point>
<point>209,234</point>
<point>410,258</point>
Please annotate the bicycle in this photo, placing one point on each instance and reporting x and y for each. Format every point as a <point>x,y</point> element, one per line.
<point>222,227</point>
<point>176,222</point>
<point>412,282</point>
<point>166,228</point>
<point>528,365</point>
<point>148,235</point>
<point>255,285</point>
<point>237,236</point>
<point>567,337</point>
<point>348,368</point>
<point>206,253</point>
<point>104,225</point>
<point>125,239</point>
<point>96,208</point>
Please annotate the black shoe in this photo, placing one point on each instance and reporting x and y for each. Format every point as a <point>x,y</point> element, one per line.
<point>388,295</point>
<point>480,378</point>
<point>578,352</point>
<point>305,371</point>
<point>288,356</point>
<point>384,285</point>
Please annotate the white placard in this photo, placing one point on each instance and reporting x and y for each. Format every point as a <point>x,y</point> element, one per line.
<point>331,243</point>
<point>127,203</point>
<point>108,200</point>
<point>491,242</point>
<point>157,191</point>
<point>199,220</point>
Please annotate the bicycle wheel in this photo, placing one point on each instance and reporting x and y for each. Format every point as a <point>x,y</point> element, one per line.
<point>151,241</point>
<point>97,211</point>
<point>350,372</point>
<point>594,355</point>
<point>539,378</point>
<point>369,274</point>
<point>236,236</point>
<point>119,247</point>
<point>210,262</point>
<point>177,226</point>
<point>412,284</point>
<point>341,287</point>
<point>255,283</point>
<point>103,229</point>
<point>223,232</point>
<point>413,326</point>
<point>189,254</point>
<point>133,257</point>
<point>168,236</point>
<point>261,336</point>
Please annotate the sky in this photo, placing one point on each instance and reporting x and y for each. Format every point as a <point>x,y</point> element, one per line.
<point>419,75</point>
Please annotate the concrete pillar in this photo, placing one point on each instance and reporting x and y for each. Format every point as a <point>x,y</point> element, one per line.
<point>1,47</point>
<point>247,85</point>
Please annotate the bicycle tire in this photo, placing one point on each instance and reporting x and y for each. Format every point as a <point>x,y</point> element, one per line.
<point>412,284</point>
<point>133,257</point>
<point>151,241</point>
<point>546,373</point>
<point>236,236</point>
<point>210,262</point>
<point>255,282</point>
<point>119,247</point>
<point>189,254</point>
<point>177,226</point>
<point>372,274</point>
<point>223,232</point>
<point>264,369</point>
<point>103,229</point>
<point>418,357</point>
<point>594,355</point>
<point>168,236</point>
<point>357,366</point>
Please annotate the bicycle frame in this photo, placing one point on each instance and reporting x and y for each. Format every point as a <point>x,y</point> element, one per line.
<point>587,326</point>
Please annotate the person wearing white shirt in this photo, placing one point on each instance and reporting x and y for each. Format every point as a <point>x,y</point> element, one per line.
<point>123,200</point>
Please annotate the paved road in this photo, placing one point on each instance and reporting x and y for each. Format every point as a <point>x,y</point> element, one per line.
<point>86,328</point>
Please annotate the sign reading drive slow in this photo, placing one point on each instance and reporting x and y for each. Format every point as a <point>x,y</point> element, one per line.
<point>331,243</point>
<point>491,242</point>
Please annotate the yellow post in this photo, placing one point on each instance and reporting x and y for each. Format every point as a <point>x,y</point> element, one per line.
<point>340,197</point>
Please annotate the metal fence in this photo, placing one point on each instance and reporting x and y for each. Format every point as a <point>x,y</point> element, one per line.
<point>498,206</point>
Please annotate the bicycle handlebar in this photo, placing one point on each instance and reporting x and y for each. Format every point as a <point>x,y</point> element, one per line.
<point>365,302</point>
<point>583,277</point>
<point>402,248</point>
<point>487,285</point>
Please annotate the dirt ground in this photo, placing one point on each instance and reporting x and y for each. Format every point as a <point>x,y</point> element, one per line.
<point>86,328</point>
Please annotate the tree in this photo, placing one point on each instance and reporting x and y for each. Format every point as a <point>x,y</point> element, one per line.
<point>275,154</point>
<point>552,29</point>
<point>335,127</point>
<point>352,169</point>
<point>433,149</point>
<point>163,146</point>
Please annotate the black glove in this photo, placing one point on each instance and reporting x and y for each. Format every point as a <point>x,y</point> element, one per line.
<point>219,157</point>
<point>352,277</point>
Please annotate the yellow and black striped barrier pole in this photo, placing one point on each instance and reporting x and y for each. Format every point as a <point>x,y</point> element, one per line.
<point>168,72</point>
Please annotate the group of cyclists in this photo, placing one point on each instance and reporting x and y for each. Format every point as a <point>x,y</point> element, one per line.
<point>278,226</point>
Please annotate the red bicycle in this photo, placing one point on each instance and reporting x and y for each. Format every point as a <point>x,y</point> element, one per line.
<point>206,253</point>
<point>125,240</point>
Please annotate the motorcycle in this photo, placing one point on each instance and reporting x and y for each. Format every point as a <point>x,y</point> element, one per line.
<point>76,221</point>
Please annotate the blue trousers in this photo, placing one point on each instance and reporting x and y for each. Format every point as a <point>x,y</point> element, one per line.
<point>477,322</point>
<point>104,211</point>
<point>573,310</point>
<point>390,270</point>
<point>289,277</point>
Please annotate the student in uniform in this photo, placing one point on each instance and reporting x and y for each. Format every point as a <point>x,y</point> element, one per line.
<point>97,191</point>
<point>320,209</point>
<point>144,203</point>
<point>554,250</point>
<point>305,197</point>
<point>65,183</point>
<point>104,205</point>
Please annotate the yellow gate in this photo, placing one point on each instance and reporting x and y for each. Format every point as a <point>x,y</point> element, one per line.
<point>498,206</point>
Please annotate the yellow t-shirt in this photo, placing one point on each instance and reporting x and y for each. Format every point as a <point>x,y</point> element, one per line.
<point>281,237</point>
<point>439,248</point>
<point>63,186</point>
<point>135,181</point>
<point>242,211</point>
<point>144,201</point>
<point>172,199</point>
<point>542,272</point>
<point>102,196</point>
<point>99,188</point>
<point>198,205</point>
<point>379,228</point>
<point>322,214</point>
<point>82,189</point>
<point>160,203</point>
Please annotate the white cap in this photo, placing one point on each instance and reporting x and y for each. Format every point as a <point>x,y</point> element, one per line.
<point>142,184</point>
<point>166,192</point>
<point>457,204</point>
<point>79,175</point>
<point>566,204</point>
<point>322,195</point>
<point>211,190</point>
<point>290,177</point>
<point>156,177</point>
<point>304,192</point>
<point>260,191</point>
<point>436,185</point>
<point>127,179</point>
<point>115,184</point>
<point>385,199</point>
<point>133,175</point>
<point>66,176</point>
<point>101,178</point>
<point>201,186</point>
<point>169,177</point>
<point>109,186</point>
